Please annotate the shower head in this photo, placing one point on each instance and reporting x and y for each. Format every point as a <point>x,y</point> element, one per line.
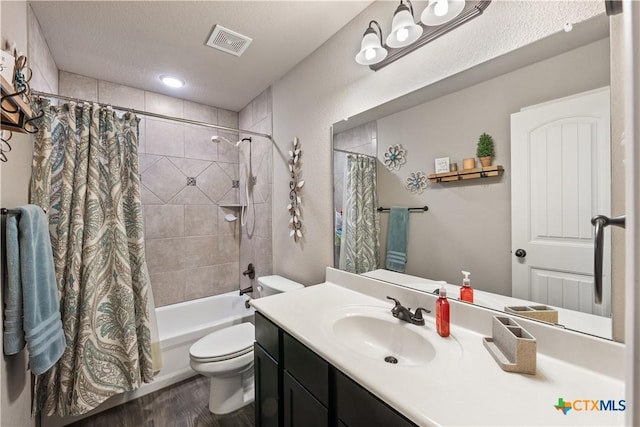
<point>218,138</point>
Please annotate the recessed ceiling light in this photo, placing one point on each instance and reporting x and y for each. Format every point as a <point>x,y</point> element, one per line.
<point>171,81</point>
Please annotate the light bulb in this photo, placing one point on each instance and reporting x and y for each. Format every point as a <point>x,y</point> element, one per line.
<point>369,54</point>
<point>402,34</point>
<point>171,81</point>
<point>441,8</point>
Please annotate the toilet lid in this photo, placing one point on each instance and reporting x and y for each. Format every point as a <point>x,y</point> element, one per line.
<point>224,343</point>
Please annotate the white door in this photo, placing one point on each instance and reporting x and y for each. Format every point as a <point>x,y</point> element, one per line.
<point>560,170</point>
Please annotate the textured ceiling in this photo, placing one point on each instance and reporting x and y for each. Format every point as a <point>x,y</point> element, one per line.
<point>132,43</point>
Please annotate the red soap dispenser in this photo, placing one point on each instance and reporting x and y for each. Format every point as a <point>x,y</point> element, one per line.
<point>442,313</point>
<point>466,291</point>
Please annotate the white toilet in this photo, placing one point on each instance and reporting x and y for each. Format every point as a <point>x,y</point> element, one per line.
<point>226,355</point>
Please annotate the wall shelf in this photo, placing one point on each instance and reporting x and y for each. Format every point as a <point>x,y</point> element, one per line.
<point>15,112</point>
<point>474,173</point>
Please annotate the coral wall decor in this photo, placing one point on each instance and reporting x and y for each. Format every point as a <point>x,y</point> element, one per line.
<point>394,157</point>
<point>416,182</point>
<point>295,187</point>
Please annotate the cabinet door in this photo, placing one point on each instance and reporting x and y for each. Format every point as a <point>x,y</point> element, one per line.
<point>266,388</point>
<point>359,408</point>
<point>301,409</point>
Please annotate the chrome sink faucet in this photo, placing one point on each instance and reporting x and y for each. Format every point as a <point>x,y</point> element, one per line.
<point>403,313</point>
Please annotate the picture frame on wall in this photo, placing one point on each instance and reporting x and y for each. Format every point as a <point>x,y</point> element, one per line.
<point>442,165</point>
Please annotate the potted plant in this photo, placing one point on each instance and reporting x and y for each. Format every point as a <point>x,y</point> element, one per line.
<point>486,149</point>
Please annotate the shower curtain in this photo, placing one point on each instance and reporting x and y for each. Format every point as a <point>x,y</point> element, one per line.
<point>360,246</point>
<point>85,176</point>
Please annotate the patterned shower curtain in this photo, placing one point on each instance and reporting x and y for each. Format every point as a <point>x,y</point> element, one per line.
<point>360,246</point>
<point>85,175</point>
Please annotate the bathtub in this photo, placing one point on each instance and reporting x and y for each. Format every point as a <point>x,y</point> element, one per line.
<point>179,326</point>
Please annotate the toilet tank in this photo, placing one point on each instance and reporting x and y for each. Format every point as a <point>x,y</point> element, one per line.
<point>270,285</point>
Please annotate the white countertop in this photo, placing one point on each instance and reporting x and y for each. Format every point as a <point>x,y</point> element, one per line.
<point>472,390</point>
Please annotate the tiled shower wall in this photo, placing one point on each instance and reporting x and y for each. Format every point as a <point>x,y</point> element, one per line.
<point>255,244</point>
<point>186,180</point>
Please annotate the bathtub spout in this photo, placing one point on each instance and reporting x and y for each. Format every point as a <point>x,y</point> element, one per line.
<point>247,290</point>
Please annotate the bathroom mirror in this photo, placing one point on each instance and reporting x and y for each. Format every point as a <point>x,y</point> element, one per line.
<point>469,224</point>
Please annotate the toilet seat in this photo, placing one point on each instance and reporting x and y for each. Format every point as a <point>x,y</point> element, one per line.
<point>224,344</point>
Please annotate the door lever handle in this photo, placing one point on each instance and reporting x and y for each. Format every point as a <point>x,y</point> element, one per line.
<point>600,222</point>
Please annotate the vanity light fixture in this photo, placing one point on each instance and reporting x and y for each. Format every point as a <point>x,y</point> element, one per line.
<point>440,12</point>
<point>171,81</point>
<point>371,50</point>
<point>437,19</point>
<point>404,30</point>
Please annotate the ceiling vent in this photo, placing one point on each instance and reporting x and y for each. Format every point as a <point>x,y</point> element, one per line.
<point>224,39</point>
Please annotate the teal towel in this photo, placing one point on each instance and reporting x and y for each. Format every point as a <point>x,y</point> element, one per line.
<point>397,237</point>
<point>32,291</point>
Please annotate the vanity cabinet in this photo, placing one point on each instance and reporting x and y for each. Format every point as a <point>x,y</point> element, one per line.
<point>306,390</point>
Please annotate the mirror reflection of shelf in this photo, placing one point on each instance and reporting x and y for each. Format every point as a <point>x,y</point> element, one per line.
<point>483,172</point>
<point>15,112</point>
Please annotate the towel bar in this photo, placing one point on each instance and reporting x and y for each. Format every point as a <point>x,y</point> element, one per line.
<point>5,211</point>
<point>420,209</point>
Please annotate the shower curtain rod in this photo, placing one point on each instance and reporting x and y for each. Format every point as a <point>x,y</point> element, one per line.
<point>352,152</point>
<point>148,114</point>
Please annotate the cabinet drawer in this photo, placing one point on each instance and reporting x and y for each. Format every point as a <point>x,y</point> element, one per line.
<point>359,408</point>
<point>308,368</point>
<point>267,335</point>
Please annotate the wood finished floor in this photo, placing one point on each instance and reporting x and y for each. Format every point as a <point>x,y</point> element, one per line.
<point>185,404</point>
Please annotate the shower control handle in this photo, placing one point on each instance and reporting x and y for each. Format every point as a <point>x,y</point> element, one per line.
<point>250,272</point>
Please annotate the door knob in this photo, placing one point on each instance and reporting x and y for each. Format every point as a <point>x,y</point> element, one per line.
<point>521,253</point>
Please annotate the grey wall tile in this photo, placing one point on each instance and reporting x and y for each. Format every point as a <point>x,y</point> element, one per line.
<point>226,277</point>
<point>190,196</point>
<point>77,86</point>
<point>165,254</point>
<point>164,137</point>
<point>226,152</point>
<point>162,104</point>
<point>164,179</point>
<point>142,135</point>
<point>245,117</point>
<point>148,198</point>
<point>120,95</point>
<point>200,282</point>
<point>168,288</point>
<point>190,167</point>
<point>227,250</point>
<point>227,118</point>
<point>164,221</point>
<point>214,182</point>
<point>225,227</point>
<point>262,220</point>
<point>146,160</point>
<point>200,251</point>
<point>198,144</point>
<point>200,113</point>
<point>231,197</point>
<point>200,220</point>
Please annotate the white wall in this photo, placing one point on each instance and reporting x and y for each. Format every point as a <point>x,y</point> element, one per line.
<point>328,86</point>
<point>16,379</point>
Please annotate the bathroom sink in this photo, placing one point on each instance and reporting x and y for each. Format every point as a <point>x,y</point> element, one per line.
<point>373,333</point>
